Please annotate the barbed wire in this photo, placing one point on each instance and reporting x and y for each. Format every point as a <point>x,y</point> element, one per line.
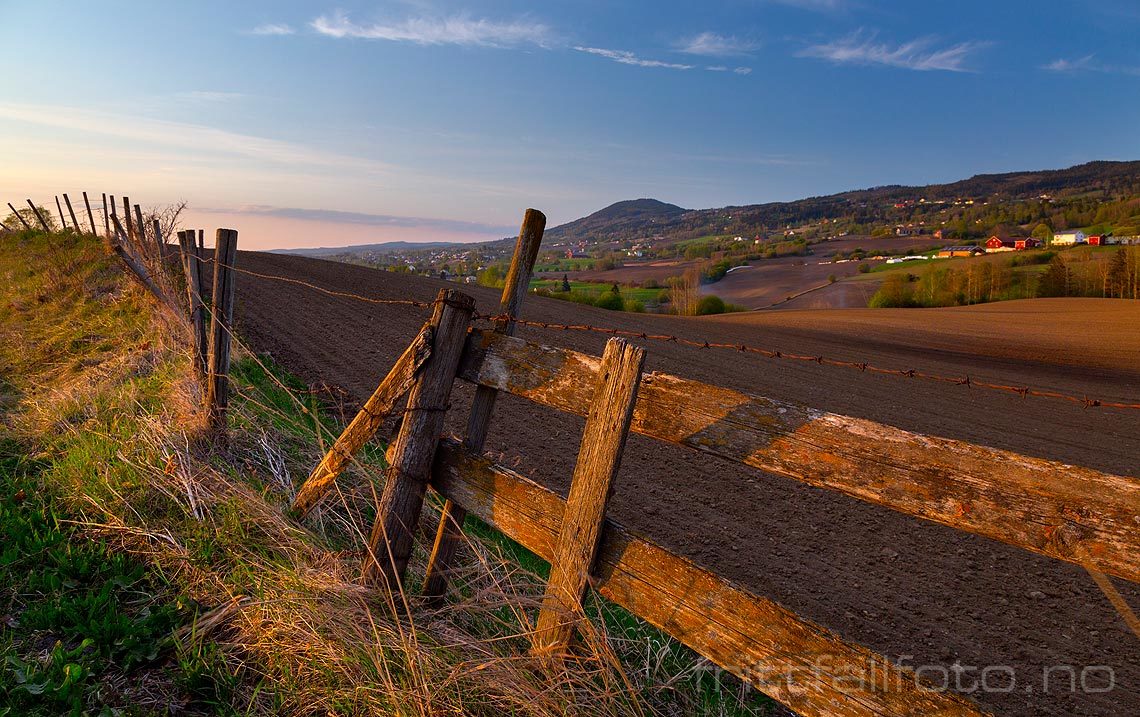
<point>966,380</point>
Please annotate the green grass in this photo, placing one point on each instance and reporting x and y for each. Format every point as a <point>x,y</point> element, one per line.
<point>596,288</point>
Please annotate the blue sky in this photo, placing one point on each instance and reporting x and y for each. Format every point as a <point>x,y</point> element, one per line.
<point>323,124</point>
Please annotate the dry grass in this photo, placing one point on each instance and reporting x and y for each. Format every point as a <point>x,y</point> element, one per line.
<point>103,387</point>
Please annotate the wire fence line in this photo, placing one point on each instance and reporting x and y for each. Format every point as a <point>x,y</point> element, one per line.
<point>965,380</point>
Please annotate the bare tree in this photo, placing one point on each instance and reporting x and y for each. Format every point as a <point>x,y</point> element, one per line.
<point>685,291</point>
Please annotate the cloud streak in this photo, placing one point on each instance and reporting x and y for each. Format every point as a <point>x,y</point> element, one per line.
<point>1088,63</point>
<point>628,58</point>
<point>456,30</point>
<point>710,44</point>
<point>271,29</point>
<point>366,219</point>
<point>920,54</point>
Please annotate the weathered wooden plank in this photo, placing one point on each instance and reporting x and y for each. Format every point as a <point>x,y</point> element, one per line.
<point>221,321</point>
<point>1044,506</point>
<point>398,510</point>
<point>71,213</point>
<point>603,440</point>
<point>448,535</point>
<point>36,211</point>
<point>192,270</point>
<point>364,426</point>
<point>19,216</point>
<point>791,659</point>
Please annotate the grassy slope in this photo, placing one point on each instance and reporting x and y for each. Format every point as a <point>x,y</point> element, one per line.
<point>151,571</point>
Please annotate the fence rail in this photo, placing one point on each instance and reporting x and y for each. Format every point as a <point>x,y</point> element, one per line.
<point>1048,507</point>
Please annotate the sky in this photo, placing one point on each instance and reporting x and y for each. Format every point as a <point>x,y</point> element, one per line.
<point>337,123</point>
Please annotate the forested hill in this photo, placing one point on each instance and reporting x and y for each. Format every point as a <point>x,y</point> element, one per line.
<point>1055,192</point>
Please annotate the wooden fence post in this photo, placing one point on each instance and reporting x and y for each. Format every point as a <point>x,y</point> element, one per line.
<point>449,534</point>
<point>127,217</point>
<point>90,215</point>
<point>62,220</point>
<point>406,479</point>
<point>364,426</point>
<point>19,216</point>
<point>140,233</point>
<point>603,440</point>
<point>71,213</point>
<point>36,211</point>
<point>107,216</point>
<point>221,321</point>
<point>201,240</point>
<point>192,268</point>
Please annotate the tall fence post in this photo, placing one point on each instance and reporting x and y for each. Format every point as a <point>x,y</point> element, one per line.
<point>19,216</point>
<point>221,322</point>
<point>406,479</point>
<point>71,213</point>
<point>127,217</point>
<point>192,268</point>
<point>36,211</point>
<point>603,440</point>
<point>62,220</point>
<point>90,215</point>
<point>449,533</point>
<point>107,217</point>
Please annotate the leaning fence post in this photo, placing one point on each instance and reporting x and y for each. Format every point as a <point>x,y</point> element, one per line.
<point>221,321</point>
<point>19,216</point>
<point>127,217</point>
<point>107,217</point>
<point>36,211</point>
<point>71,213</point>
<point>364,426</point>
<point>406,479</point>
<point>90,215</point>
<point>192,268</point>
<point>62,220</point>
<point>603,440</point>
<point>449,534</point>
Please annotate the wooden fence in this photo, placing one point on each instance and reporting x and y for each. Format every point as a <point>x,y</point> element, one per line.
<point>1065,512</point>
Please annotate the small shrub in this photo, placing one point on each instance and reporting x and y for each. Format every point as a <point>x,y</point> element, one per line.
<point>635,306</point>
<point>864,268</point>
<point>710,304</point>
<point>609,300</point>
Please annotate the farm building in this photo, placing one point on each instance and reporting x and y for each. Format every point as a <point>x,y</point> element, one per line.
<point>995,244</point>
<point>1099,239</point>
<point>1026,243</point>
<point>953,251</point>
<point>1070,238</point>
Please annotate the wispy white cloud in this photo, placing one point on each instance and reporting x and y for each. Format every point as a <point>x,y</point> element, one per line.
<point>921,54</point>
<point>365,219</point>
<point>199,140</point>
<point>272,29</point>
<point>710,44</point>
<point>628,58</point>
<point>456,30</point>
<point>736,70</point>
<point>1088,63</point>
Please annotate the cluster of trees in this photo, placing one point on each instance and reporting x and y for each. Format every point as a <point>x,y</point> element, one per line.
<point>1077,274</point>
<point>612,299</point>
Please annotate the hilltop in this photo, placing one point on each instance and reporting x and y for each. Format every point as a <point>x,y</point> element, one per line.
<point>637,215</point>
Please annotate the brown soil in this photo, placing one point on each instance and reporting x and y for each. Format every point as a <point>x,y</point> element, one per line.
<point>900,586</point>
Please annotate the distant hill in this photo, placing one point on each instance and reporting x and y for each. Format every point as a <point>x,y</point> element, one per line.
<point>389,247</point>
<point>638,215</point>
<point>642,218</point>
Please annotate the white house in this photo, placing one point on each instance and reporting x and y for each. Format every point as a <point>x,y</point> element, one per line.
<point>1075,237</point>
